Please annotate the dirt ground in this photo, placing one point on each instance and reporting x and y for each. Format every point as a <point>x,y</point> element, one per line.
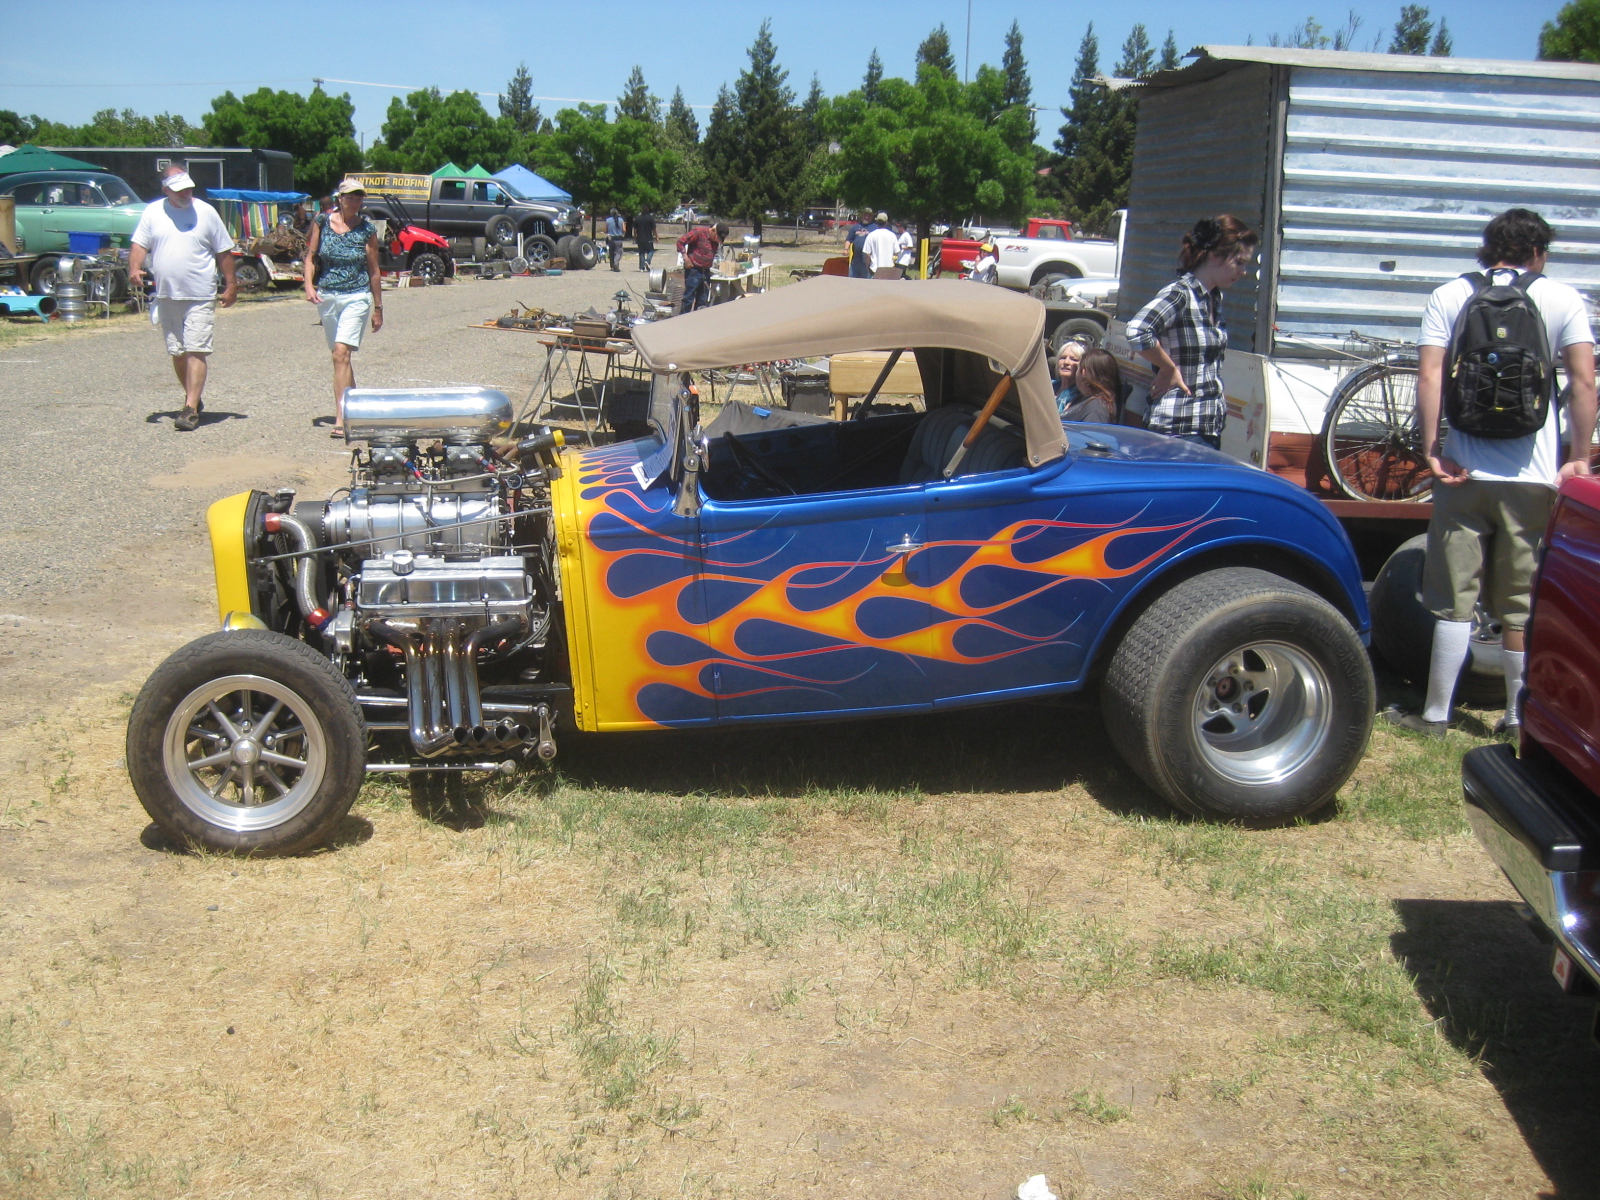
<point>926,957</point>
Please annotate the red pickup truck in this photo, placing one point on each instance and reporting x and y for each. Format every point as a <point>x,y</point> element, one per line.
<point>1537,812</point>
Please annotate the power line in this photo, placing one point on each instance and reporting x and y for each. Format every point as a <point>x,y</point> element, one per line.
<point>148,83</point>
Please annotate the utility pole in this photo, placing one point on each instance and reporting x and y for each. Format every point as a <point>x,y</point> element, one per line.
<point>966,55</point>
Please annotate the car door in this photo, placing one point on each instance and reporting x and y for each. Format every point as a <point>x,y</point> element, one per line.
<point>812,606</point>
<point>1026,570</point>
<point>453,210</point>
<point>60,213</point>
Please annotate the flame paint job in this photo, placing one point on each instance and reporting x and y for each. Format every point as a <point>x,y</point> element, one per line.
<point>797,606</point>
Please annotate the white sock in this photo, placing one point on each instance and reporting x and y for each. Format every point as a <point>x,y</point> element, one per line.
<point>1452,642</point>
<point>1511,663</point>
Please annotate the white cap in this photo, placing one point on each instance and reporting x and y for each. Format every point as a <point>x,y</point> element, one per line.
<point>347,186</point>
<point>178,183</point>
<point>883,216</point>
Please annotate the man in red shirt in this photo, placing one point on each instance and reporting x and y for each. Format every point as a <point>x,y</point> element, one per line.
<point>699,249</point>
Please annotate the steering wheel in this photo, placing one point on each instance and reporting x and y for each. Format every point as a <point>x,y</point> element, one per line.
<point>746,458</point>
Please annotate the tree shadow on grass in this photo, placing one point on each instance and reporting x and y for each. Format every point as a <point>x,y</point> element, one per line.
<point>1486,979</point>
<point>1017,748</point>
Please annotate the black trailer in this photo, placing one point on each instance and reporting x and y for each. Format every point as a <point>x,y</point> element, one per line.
<point>211,166</point>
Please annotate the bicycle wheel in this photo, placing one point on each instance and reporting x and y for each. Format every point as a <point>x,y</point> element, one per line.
<point>1372,439</point>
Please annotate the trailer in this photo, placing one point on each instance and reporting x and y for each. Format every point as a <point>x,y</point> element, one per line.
<point>211,167</point>
<point>1370,177</point>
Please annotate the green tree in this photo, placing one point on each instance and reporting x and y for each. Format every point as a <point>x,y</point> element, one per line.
<point>935,52</point>
<point>108,127</point>
<point>317,129</point>
<point>637,101</point>
<point>754,154</point>
<point>1018,93</point>
<point>426,130</point>
<point>1574,36</point>
<point>930,150</point>
<point>1411,31</point>
<point>1138,58</point>
<point>680,117</point>
<point>516,103</point>
<point>604,164</point>
<point>874,77</point>
<point>1169,54</point>
<point>680,133</point>
<point>16,129</point>
<point>1087,172</point>
<point>1443,44</point>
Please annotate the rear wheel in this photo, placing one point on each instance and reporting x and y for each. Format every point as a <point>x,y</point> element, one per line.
<point>429,266</point>
<point>1402,629</point>
<point>43,278</point>
<point>1240,696</point>
<point>1372,439</point>
<point>247,742</point>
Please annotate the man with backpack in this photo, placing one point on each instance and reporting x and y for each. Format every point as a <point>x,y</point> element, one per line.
<point>1487,356</point>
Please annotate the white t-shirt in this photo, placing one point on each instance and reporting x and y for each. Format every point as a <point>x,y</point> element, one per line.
<point>905,250</point>
<point>1535,458</point>
<point>984,270</point>
<point>879,247</point>
<point>183,245</point>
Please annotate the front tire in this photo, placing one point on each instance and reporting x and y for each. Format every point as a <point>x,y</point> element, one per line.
<point>429,266</point>
<point>501,231</point>
<point>1242,697</point>
<point>247,742</point>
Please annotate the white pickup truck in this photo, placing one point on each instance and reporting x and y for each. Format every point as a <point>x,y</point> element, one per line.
<point>1043,254</point>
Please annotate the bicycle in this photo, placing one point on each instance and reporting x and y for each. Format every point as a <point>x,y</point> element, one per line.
<point>1372,439</point>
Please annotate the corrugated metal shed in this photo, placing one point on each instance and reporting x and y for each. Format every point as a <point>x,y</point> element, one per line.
<point>1382,170</point>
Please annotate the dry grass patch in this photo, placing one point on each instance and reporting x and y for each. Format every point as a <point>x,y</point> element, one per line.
<point>935,956</point>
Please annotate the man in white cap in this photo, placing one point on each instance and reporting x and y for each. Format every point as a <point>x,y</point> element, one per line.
<point>881,246</point>
<point>187,244</point>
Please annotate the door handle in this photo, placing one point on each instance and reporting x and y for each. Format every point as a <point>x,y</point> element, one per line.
<point>904,546</point>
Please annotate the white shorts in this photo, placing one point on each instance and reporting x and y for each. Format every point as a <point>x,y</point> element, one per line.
<point>186,324</point>
<point>344,317</point>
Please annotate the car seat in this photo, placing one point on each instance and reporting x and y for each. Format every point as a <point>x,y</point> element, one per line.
<point>934,444</point>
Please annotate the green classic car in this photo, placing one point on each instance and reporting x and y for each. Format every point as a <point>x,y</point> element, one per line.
<point>52,204</point>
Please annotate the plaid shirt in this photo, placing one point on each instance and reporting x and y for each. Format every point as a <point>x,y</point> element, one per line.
<point>1187,321</point>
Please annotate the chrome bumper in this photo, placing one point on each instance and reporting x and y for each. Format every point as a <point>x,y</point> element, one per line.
<point>1552,859</point>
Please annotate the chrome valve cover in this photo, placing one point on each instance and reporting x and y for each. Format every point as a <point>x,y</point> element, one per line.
<point>414,521</point>
<point>429,585</point>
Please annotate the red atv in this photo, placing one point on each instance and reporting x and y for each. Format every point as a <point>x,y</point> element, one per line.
<point>409,247</point>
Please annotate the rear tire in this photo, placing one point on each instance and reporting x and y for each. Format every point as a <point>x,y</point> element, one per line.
<point>1402,628</point>
<point>247,742</point>
<point>42,281</point>
<point>430,266</point>
<point>1239,696</point>
<point>251,276</point>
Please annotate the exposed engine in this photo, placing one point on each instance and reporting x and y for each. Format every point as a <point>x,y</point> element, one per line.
<point>431,580</point>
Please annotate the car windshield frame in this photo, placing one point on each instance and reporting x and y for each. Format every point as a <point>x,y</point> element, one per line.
<point>108,185</point>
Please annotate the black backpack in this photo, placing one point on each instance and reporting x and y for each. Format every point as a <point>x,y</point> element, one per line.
<point>1499,379</point>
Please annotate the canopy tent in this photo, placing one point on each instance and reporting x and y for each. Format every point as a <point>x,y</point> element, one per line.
<point>254,197</point>
<point>534,187</point>
<point>28,157</point>
<point>448,169</point>
<point>477,171</point>
<point>832,315</point>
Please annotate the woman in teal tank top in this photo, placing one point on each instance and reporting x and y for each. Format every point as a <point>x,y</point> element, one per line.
<point>343,281</point>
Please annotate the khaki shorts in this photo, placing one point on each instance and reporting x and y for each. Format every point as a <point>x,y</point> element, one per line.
<point>186,324</point>
<point>1484,525</point>
<point>344,317</point>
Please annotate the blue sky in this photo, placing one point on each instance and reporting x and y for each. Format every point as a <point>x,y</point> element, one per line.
<point>176,56</point>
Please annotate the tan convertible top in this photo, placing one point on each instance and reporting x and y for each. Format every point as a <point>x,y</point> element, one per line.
<point>833,315</point>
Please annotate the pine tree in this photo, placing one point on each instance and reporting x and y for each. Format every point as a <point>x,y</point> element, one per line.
<point>1085,94</point>
<point>1411,31</point>
<point>870,85</point>
<point>1137,56</point>
<point>680,118</point>
<point>1169,54</point>
<point>935,52</point>
<point>1574,36</point>
<point>759,147</point>
<point>1096,143</point>
<point>1018,91</point>
<point>1443,44</point>
<point>637,101</point>
<point>517,105</point>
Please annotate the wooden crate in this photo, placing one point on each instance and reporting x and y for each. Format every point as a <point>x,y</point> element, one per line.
<point>854,374</point>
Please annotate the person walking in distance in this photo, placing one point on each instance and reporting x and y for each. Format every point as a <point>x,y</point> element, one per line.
<point>344,282</point>
<point>856,239</point>
<point>1487,360</point>
<point>186,244</point>
<point>616,230</point>
<point>1182,334</point>
<point>644,237</point>
<point>699,249</point>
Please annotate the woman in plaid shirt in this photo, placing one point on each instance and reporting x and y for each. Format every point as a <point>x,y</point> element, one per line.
<point>1183,335</point>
